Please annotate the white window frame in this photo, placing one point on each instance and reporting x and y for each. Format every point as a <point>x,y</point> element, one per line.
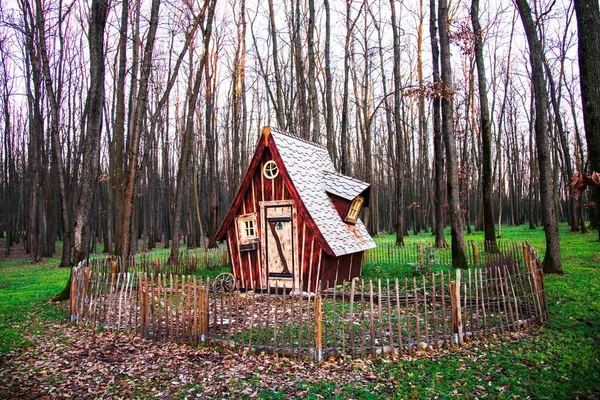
<point>267,164</point>
<point>243,229</point>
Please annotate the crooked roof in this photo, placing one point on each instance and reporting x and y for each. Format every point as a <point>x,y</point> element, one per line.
<point>312,172</point>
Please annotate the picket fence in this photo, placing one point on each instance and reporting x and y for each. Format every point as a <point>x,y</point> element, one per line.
<point>478,253</point>
<point>190,262</point>
<point>354,318</point>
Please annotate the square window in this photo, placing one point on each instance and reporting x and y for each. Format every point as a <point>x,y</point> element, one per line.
<point>247,230</point>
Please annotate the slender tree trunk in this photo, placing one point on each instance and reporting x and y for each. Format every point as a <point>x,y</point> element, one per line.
<point>312,73</point>
<point>134,141</point>
<point>399,170</point>
<point>189,133</point>
<point>552,259</point>
<point>278,85</point>
<point>486,133</point>
<point>117,154</point>
<point>91,145</point>
<point>331,145</point>
<point>36,127</point>
<point>459,256</point>
<point>588,30</point>
<point>438,144</point>
<point>54,99</point>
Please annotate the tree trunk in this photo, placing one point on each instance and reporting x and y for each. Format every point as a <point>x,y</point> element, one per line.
<point>134,142</point>
<point>459,257</point>
<point>187,141</point>
<point>588,28</point>
<point>329,94</point>
<point>438,145</point>
<point>312,74</point>
<point>552,259</point>
<point>117,151</point>
<point>278,86</point>
<point>486,134</point>
<point>399,168</point>
<point>90,151</point>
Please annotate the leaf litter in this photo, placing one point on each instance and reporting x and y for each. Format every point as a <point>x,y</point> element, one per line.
<point>72,361</point>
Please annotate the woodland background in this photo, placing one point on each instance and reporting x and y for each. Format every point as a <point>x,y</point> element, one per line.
<point>131,123</point>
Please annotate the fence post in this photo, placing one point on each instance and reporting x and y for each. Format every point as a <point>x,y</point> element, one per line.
<point>143,305</point>
<point>420,247</point>
<point>457,326</point>
<point>318,329</point>
<point>203,303</point>
<point>225,258</point>
<point>72,302</point>
<point>533,279</point>
<point>475,254</point>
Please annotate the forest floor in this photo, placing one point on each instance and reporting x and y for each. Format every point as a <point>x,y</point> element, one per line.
<point>42,354</point>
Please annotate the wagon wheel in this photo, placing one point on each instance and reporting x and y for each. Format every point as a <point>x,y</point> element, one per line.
<point>224,283</point>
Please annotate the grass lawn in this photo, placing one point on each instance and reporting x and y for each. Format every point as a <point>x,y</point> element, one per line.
<point>558,360</point>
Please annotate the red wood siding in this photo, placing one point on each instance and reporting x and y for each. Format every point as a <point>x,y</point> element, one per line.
<point>340,269</point>
<point>341,205</point>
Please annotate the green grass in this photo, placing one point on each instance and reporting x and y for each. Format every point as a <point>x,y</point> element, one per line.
<point>25,291</point>
<point>558,360</point>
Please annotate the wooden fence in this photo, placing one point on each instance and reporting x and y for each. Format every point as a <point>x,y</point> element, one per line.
<point>190,262</point>
<point>478,253</point>
<point>353,318</point>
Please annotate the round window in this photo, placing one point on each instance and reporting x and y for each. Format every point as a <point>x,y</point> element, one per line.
<point>270,170</point>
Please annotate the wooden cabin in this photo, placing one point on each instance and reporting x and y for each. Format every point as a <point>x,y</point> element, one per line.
<point>294,221</point>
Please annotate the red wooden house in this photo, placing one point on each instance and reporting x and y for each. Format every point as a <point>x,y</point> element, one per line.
<point>294,220</point>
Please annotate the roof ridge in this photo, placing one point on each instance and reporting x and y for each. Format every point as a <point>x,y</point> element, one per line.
<point>299,138</point>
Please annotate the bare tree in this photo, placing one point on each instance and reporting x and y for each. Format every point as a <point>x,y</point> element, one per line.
<point>588,29</point>
<point>459,256</point>
<point>312,78</point>
<point>552,259</point>
<point>486,132</point>
<point>139,115</point>
<point>54,97</point>
<point>399,168</point>
<point>438,144</point>
<point>188,133</point>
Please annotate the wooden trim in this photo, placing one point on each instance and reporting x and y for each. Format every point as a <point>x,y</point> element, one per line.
<point>262,181</point>
<point>253,195</point>
<point>266,132</point>
<point>310,264</point>
<point>302,258</point>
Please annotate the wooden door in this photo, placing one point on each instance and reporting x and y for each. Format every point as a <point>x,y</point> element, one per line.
<point>279,240</point>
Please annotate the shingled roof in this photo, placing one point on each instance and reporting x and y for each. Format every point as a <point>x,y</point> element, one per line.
<point>312,172</point>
